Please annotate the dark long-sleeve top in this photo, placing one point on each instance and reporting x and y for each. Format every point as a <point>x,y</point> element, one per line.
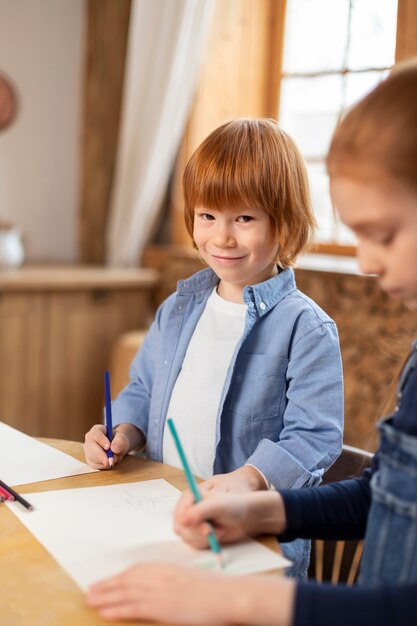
<point>340,511</point>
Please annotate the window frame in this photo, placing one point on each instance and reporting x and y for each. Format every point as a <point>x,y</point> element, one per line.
<point>238,24</point>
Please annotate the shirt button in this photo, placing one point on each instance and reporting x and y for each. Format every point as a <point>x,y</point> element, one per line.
<point>251,305</point>
<point>166,362</point>
<point>262,306</point>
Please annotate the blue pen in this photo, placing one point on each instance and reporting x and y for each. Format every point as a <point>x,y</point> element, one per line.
<point>109,423</point>
<point>214,544</point>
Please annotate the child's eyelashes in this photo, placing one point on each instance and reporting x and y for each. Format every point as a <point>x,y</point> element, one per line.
<point>384,239</point>
<point>241,219</point>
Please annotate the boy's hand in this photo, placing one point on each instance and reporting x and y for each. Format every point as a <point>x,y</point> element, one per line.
<point>96,446</point>
<point>242,480</point>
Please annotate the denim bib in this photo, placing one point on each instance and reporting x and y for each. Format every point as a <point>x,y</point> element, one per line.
<point>390,554</point>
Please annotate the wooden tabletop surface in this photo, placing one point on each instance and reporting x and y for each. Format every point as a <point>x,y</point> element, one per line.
<point>34,590</point>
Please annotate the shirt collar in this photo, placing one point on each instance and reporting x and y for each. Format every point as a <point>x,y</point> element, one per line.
<point>263,296</point>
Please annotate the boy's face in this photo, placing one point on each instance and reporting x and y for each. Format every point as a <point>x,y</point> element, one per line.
<point>384,219</point>
<point>240,245</point>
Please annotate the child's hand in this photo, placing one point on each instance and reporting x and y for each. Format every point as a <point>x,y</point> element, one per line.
<point>233,516</point>
<point>226,512</point>
<point>242,480</point>
<point>96,446</point>
<point>184,595</point>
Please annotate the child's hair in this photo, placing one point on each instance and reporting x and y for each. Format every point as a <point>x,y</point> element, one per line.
<point>253,163</point>
<point>377,142</point>
<point>377,139</point>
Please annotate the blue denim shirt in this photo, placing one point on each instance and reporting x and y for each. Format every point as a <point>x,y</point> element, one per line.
<point>281,408</point>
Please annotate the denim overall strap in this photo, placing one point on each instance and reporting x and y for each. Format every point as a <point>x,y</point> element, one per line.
<point>407,369</point>
<point>390,554</point>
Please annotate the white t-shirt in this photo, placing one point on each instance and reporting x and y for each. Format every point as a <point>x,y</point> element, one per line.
<point>196,395</point>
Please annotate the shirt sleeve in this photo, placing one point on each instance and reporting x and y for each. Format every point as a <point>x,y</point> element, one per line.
<point>335,511</point>
<point>327,605</point>
<point>267,483</point>
<point>133,403</point>
<point>311,436</point>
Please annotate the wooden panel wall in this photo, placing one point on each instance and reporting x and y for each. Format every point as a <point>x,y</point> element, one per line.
<point>244,50</point>
<point>406,30</point>
<point>107,30</point>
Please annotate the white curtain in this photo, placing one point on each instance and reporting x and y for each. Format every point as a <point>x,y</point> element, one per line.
<point>166,43</point>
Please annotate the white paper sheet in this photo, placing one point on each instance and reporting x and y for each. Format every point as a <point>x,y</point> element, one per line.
<point>97,532</point>
<point>23,459</point>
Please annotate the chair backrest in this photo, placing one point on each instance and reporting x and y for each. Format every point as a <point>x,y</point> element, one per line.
<point>350,464</point>
<point>121,357</point>
<point>338,561</point>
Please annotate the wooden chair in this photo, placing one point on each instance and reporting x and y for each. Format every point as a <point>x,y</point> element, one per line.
<point>121,357</point>
<point>338,561</point>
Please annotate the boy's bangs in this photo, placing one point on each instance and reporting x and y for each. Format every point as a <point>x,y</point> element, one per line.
<point>222,188</point>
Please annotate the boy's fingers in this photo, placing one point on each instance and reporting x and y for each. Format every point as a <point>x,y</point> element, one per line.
<point>102,438</point>
<point>118,445</point>
<point>97,434</point>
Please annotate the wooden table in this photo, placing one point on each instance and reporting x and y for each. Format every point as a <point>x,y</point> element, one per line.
<point>34,590</point>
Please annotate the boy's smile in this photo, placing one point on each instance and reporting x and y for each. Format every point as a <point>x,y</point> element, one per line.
<point>240,245</point>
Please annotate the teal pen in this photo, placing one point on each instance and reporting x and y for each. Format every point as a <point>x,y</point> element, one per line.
<point>214,544</point>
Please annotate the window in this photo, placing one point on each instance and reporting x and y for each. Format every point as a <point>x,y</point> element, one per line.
<point>334,52</point>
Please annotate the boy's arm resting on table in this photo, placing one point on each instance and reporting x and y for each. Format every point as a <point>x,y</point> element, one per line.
<point>246,478</point>
<point>311,438</point>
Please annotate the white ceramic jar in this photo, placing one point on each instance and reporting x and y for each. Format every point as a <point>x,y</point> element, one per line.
<point>12,252</point>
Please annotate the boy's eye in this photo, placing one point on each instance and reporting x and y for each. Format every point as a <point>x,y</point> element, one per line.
<point>244,218</point>
<point>206,216</point>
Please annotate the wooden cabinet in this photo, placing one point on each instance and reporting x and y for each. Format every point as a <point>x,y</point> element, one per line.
<point>57,329</point>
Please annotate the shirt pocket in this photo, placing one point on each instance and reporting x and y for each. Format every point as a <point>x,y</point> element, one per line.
<point>258,389</point>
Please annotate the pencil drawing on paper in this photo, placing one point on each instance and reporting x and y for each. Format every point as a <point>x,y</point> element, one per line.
<point>161,503</point>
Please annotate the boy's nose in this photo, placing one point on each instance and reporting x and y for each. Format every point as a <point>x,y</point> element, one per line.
<point>224,237</point>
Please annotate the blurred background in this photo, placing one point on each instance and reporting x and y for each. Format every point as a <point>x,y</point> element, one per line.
<point>103,103</point>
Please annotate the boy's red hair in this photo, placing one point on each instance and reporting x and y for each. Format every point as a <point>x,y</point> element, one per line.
<point>253,163</point>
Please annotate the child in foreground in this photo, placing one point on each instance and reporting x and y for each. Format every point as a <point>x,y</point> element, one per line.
<point>373,170</point>
<point>237,357</point>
